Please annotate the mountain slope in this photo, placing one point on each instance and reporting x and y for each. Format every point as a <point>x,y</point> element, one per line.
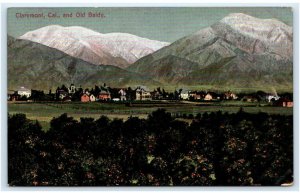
<point>261,35</point>
<point>117,49</point>
<point>239,51</point>
<point>37,66</point>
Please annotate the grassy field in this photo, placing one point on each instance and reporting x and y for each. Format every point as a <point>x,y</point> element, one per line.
<point>44,112</point>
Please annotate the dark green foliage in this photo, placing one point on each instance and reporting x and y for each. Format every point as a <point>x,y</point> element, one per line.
<point>24,144</point>
<point>215,149</point>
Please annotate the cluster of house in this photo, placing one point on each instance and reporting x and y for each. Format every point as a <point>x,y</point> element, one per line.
<point>140,93</point>
<point>103,95</point>
<point>207,96</point>
<point>22,92</point>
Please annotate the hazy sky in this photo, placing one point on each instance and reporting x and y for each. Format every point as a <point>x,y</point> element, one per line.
<point>164,24</point>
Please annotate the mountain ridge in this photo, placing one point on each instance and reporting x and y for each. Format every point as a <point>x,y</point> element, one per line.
<point>36,66</point>
<point>117,49</point>
<point>228,56</point>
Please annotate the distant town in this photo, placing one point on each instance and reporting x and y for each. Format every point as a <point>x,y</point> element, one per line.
<point>105,93</point>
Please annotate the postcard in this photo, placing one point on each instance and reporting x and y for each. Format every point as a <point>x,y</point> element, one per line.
<point>150,96</point>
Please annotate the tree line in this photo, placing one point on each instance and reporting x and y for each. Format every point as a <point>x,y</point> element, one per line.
<point>215,149</point>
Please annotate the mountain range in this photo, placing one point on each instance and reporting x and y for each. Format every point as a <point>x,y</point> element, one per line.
<point>37,66</point>
<point>116,49</point>
<point>240,52</point>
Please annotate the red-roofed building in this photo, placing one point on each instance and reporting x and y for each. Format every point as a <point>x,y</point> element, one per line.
<point>85,98</point>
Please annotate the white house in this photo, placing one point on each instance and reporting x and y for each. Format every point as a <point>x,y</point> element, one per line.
<point>92,98</point>
<point>184,95</point>
<point>122,95</point>
<point>24,92</point>
<point>270,97</point>
<point>142,93</point>
<point>208,97</point>
<point>72,89</point>
<point>230,95</point>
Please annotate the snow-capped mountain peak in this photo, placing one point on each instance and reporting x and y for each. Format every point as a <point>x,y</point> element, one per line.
<point>255,35</point>
<point>118,49</point>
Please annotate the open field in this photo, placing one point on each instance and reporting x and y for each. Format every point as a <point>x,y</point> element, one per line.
<point>44,112</point>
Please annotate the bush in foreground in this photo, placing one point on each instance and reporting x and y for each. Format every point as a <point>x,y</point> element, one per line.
<point>215,149</point>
